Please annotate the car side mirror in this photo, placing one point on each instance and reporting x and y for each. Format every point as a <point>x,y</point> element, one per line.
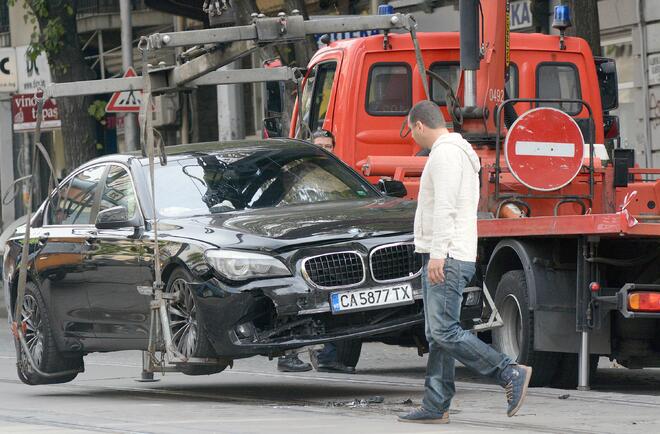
<point>114,218</point>
<point>392,188</point>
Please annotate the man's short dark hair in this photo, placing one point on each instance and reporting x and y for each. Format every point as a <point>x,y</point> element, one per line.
<point>428,113</point>
<point>323,133</point>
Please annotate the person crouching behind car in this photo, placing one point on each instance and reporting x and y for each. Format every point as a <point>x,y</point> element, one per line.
<point>324,360</point>
<point>324,139</point>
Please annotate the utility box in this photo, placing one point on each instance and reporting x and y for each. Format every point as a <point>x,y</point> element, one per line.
<point>167,109</point>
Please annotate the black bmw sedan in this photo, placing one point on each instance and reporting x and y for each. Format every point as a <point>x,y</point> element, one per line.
<point>269,246</point>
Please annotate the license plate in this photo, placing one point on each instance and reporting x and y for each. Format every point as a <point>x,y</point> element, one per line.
<point>363,299</point>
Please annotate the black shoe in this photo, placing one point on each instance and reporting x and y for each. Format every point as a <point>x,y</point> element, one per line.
<point>335,367</point>
<point>292,364</point>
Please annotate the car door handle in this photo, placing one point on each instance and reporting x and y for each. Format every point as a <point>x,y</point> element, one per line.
<point>88,234</point>
<point>91,232</point>
<point>43,238</point>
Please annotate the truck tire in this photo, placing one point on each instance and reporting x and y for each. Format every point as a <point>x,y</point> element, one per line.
<point>567,374</point>
<point>516,336</point>
<point>41,342</point>
<point>187,325</point>
<point>348,351</point>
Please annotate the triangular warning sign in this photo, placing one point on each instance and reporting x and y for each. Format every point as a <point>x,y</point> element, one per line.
<point>126,101</point>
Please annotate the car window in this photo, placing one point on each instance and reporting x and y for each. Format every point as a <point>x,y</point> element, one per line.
<point>254,179</point>
<point>511,84</point>
<point>450,72</point>
<point>389,91</point>
<point>558,81</point>
<point>118,191</point>
<point>74,203</point>
<point>325,77</point>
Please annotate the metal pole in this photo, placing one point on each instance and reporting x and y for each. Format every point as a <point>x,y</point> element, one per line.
<point>374,7</point>
<point>6,158</point>
<point>179,26</point>
<point>99,36</point>
<point>469,24</point>
<point>583,373</point>
<point>648,149</point>
<point>27,170</point>
<point>130,120</point>
<point>470,91</point>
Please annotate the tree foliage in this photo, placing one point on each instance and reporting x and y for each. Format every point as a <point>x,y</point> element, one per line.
<point>57,37</point>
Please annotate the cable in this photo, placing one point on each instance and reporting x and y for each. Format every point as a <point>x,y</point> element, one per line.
<point>483,31</point>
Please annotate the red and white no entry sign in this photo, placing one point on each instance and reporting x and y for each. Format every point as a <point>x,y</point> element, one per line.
<point>544,149</point>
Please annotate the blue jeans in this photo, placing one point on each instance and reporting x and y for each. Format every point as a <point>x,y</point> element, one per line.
<point>447,340</point>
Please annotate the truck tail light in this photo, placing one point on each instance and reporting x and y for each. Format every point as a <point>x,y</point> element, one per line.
<point>644,301</point>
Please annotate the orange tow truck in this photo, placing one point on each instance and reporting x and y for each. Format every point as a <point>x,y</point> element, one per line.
<point>569,231</point>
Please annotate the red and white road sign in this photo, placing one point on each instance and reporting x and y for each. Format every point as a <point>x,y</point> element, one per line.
<point>128,101</point>
<point>544,149</point>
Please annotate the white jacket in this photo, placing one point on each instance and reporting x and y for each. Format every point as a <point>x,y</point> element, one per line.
<point>446,216</point>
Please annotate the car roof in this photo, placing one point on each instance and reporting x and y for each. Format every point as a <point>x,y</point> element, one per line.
<point>186,151</point>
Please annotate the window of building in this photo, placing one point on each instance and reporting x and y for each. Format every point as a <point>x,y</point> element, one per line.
<point>556,80</point>
<point>389,92</point>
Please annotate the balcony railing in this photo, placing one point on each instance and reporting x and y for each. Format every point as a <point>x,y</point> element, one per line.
<point>92,7</point>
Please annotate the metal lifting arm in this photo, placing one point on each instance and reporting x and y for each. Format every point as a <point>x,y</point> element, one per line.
<point>225,47</point>
<point>93,87</point>
<point>280,29</point>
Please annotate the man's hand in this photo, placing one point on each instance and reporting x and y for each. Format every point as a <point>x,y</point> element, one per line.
<point>436,271</point>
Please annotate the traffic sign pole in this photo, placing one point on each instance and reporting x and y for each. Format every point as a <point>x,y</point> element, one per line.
<point>130,120</point>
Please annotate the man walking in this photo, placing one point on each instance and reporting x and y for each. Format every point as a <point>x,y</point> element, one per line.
<point>446,236</point>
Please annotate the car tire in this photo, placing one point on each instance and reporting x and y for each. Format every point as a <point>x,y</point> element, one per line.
<point>38,332</point>
<point>187,325</point>
<point>516,336</point>
<point>348,351</point>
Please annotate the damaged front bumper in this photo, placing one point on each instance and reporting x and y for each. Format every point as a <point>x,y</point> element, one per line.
<point>268,317</point>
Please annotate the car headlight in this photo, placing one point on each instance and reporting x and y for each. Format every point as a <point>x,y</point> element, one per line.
<point>237,265</point>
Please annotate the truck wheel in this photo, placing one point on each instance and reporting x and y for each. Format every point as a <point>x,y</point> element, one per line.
<point>348,351</point>
<point>567,374</point>
<point>516,336</point>
<point>41,343</point>
<point>187,326</point>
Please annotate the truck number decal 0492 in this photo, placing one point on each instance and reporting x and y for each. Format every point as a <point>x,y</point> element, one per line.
<point>496,95</point>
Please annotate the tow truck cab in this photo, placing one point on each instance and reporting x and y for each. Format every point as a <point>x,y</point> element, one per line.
<point>361,89</point>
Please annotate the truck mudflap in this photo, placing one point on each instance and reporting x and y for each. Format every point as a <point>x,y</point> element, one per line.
<point>633,300</point>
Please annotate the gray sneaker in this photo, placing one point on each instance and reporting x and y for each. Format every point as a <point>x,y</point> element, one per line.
<point>422,415</point>
<point>516,381</point>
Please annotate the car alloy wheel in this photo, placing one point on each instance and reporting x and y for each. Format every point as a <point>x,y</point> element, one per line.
<point>33,330</point>
<point>183,319</point>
